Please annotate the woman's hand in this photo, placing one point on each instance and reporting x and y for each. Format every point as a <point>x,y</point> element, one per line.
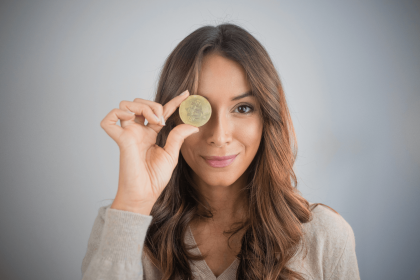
<point>145,168</point>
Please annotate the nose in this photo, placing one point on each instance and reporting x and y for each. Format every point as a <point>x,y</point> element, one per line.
<point>219,130</point>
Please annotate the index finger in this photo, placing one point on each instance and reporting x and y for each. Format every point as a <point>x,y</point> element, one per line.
<point>170,107</point>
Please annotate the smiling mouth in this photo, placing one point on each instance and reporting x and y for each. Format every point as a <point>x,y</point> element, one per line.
<point>221,158</point>
<point>219,162</point>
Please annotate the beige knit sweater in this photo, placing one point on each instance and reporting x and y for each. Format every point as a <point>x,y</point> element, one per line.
<point>115,249</point>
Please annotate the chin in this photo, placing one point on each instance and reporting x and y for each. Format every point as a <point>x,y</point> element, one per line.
<point>219,179</point>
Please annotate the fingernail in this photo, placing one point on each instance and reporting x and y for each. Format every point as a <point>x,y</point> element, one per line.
<point>163,121</point>
<point>146,122</point>
<point>157,118</point>
<point>184,92</point>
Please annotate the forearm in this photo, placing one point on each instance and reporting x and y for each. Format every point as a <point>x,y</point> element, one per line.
<point>117,253</point>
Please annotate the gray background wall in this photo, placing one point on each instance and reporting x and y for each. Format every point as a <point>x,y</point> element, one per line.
<point>350,69</point>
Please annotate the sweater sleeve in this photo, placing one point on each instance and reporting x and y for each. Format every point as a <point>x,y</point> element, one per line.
<point>115,246</point>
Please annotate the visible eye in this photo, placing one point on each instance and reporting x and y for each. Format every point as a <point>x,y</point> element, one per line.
<point>245,109</point>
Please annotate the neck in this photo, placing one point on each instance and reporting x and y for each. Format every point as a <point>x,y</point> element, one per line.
<point>228,204</point>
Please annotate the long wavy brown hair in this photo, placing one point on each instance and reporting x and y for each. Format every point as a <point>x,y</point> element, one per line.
<point>273,228</point>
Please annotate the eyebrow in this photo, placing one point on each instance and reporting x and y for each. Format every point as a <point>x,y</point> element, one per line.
<point>249,93</point>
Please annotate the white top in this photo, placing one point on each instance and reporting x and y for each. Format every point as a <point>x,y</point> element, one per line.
<point>115,249</point>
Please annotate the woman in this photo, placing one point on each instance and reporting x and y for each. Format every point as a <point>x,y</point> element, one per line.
<point>182,211</point>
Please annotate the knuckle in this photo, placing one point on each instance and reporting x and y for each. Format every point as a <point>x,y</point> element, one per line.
<point>150,109</point>
<point>123,103</point>
<point>158,108</point>
<point>113,111</point>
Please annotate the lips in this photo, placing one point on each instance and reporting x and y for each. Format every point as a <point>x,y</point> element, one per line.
<point>219,162</point>
<point>220,158</point>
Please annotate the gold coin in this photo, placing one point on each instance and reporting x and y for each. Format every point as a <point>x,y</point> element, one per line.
<point>195,110</point>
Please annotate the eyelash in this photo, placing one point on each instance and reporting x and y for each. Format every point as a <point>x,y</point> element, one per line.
<point>246,105</point>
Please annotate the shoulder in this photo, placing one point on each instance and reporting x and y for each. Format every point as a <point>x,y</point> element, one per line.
<point>329,240</point>
<point>327,224</point>
<point>327,231</point>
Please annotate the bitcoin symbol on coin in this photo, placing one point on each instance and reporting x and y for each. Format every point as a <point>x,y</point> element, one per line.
<point>195,110</point>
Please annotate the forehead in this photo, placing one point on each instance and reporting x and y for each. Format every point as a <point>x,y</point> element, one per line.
<point>221,77</point>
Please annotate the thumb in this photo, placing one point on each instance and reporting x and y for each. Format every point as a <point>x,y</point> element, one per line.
<point>176,138</point>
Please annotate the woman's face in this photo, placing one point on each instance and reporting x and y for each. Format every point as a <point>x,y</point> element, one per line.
<point>234,129</point>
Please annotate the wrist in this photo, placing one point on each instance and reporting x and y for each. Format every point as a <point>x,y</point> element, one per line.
<point>143,207</point>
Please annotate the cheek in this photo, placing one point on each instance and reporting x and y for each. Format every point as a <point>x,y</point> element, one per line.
<point>250,134</point>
